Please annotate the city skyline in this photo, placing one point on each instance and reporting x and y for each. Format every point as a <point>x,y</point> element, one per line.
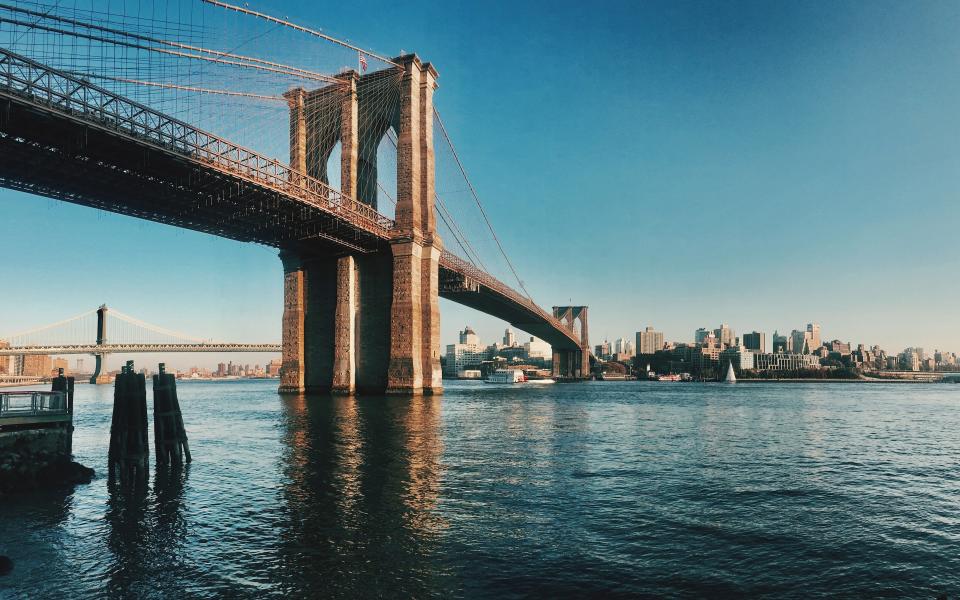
<point>760,152</point>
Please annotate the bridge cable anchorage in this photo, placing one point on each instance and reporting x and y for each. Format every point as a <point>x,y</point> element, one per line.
<point>285,70</point>
<point>307,30</point>
<point>476,198</point>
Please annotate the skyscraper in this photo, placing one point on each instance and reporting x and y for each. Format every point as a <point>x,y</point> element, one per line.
<point>801,341</point>
<point>508,338</point>
<point>755,341</point>
<point>782,343</point>
<point>725,335</point>
<point>620,346</point>
<point>468,336</point>
<point>700,335</point>
<point>649,341</point>
<point>814,340</point>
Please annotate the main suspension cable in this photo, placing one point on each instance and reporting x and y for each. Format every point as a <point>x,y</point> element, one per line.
<point>301,28</point>
<point>476,198</point>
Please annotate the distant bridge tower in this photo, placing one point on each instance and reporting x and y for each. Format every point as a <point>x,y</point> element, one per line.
<point>354,321</point>
<point>573,364</point>
<point>99,369</point>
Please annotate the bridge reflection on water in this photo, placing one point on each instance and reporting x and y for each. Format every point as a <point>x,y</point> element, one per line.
<point>363,482</point>
<point>319,497</point>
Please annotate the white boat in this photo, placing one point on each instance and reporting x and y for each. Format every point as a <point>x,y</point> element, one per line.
<point>506,376</point>
<point>731,376</point>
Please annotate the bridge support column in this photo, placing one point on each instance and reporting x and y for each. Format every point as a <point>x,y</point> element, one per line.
<point>405,374</point>
<point>344,328</point>
<point>430,319</point>
<point>336,323</point>
<point>415,311</point>
<point>294,298</point>
<point>432,247</point>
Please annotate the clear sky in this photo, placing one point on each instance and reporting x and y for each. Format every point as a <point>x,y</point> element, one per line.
<point>674,164</point>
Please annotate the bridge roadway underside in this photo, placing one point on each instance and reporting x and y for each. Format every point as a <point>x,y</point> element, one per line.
<point>49,153</point>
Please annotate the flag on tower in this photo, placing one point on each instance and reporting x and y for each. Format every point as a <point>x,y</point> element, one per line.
<point>363,61</point>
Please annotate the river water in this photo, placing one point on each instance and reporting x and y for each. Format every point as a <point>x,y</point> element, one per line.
<point>604,489</point>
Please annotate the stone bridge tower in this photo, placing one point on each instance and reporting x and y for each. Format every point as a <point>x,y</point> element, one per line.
<point>573,364</point>
<point>366,321</point>
<point>99,375</point>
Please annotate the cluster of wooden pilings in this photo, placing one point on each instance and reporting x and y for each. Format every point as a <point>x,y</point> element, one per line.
<point>129,453</point>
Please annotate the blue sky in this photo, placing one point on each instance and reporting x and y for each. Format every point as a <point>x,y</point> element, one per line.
<point>674,164</point>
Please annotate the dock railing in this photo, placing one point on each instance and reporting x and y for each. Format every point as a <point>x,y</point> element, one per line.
<point>25,407</point>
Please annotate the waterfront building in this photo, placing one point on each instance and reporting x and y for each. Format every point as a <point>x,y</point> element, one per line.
<point>699,335</point>
<point>273,368</point>
<point>35,365</point>
<point>756,341</point>
<point>782,361</point>
<point>537,350</point>
<point>650,341</point>
<point>945,360</point>
<point>704,358</point>
<point>740,357</point>
<point>604,350</point>
<point>5,360</point>
<point>468,354</point>
<point>841,348</point>
<point>782,343</point>
<point>911,358</point>
<point>469,336</point>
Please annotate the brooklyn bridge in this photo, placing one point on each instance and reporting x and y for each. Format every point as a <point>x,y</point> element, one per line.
<point>85,118</point>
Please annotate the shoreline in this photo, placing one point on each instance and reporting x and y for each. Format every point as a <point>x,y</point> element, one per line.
<point>864,380</point>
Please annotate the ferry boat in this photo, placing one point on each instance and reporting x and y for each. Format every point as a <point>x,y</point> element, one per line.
<point>670,377</point>
<point>612,376</point>
<point>506,376</point>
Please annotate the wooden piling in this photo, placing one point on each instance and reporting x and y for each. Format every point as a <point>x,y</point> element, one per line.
<point>129,445</point>
<point>65,385</point>
<point>169,435</point>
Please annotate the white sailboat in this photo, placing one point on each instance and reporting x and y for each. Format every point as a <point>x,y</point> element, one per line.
<point>731,377</point>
